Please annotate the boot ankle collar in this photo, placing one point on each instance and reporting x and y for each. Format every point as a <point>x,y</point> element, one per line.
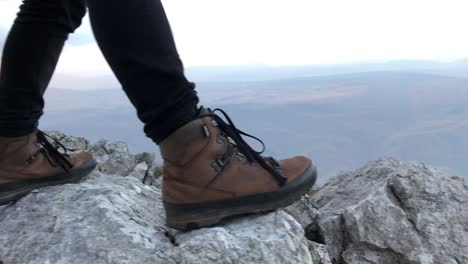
<point>174,147</point>
<point>5,142</point>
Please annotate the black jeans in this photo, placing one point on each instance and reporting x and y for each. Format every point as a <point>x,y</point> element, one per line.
<point>136,40</point>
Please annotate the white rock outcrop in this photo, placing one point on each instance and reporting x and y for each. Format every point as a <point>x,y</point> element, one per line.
<point>389,211</point>
<point>392,211</point>
<point>108,218</point>
<point>111,219</point>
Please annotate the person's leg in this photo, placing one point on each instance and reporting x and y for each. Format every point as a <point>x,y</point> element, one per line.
<point>210,172</point>
<point>136,39</point>
<point>27,160</point>
<point>29,58</point>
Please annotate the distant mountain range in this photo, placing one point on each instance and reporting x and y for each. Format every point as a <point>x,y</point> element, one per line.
<point>457,68</point>
<point>340,120</point>
<point>250,73</point>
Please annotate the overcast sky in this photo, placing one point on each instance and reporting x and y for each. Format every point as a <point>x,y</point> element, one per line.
<point>292,32</point>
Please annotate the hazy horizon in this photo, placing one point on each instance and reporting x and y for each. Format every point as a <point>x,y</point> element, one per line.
<point>209,32</point>
<point>239,73</point>
<point>341,121</point>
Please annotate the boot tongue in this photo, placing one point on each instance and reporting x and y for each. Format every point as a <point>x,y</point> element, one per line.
<point>17,149</point>
<point>5,141</point>
<point>203,111</point>
<point>178,148</point>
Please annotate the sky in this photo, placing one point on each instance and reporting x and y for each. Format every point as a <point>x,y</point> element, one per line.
<point>290,32</point>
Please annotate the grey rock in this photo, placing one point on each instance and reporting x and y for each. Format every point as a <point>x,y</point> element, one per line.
<point>108,219</point>
<point>146,157</point>
<point>113,157</point>
<point>148,176</point>
<point>389,211</point>
<point>103,220</point>
<point>270,238</point>
<point>307,215</point>
<point>319,253</point>
<point>139,171</point>
<point>392,211</point>
<point>303,211</point>
<point>70,142</point>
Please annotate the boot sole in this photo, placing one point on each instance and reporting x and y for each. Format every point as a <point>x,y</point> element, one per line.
<point>193,216</point>
<point>10,192</point>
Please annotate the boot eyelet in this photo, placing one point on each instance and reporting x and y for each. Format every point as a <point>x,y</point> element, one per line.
<point>220,162</point>
<point>240,156</point>
<point>220,138</point>
<point>206,131</point>
<point>31,159</point>
<point>216,166</point>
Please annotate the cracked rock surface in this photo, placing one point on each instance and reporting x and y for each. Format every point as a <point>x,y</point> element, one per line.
<point>113,157</point>
<point>389,211</point>
<point>108,218</point>
<point>111,219</point>
<point>392,211</point>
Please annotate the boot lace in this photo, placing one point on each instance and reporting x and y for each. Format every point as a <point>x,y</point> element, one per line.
<point>51,153</point>
<point>252,156</point>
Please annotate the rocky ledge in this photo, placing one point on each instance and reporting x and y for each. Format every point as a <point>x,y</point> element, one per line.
<point>388,211</point>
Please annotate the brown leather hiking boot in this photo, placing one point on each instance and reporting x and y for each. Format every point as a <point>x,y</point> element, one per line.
<point>211,173</point>
<point>31,162</point>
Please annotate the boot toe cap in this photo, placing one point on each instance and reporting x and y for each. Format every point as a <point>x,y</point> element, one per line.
<point>81,158</point>
<point>295,166</point>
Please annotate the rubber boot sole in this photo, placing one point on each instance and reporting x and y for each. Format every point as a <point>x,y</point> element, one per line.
<point>13,191</point>
<point>197,215</point>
